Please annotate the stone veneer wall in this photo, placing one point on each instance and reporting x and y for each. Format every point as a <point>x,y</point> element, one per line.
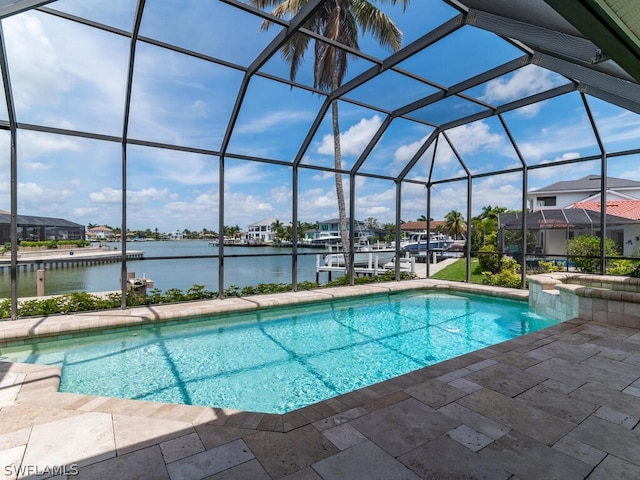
<point>601,298</point>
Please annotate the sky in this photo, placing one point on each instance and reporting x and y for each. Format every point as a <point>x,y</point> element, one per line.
<point>70,76</point>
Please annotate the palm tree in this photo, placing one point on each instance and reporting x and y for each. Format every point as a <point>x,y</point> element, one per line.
<point>277,228</point>
<point>455,223</point>
<point>338,21</point>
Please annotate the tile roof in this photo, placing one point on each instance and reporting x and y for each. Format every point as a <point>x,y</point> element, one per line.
<point>621,208</point>
<point>421,225</point>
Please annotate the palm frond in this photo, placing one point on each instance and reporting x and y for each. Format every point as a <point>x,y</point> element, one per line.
<point>372,20</point>
<point>293,52</point>
<point>339,21</point>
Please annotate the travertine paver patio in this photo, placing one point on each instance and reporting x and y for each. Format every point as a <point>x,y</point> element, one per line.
<point>563,402</point>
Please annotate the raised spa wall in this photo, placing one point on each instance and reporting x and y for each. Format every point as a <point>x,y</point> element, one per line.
<point>601,298</point>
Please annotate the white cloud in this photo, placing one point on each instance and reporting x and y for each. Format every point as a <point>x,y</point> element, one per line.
<point>526,81</point>
<point>281,194</point>
<point>112,195</point>
<point>36,145</point>
<point>266,122</point>
<point>57,63</point>
<point>195,214</point>
<point>200,108</point>
<point>86,212</point>
<point>557,141</point>
<point>354,140</point>
<point>323,176</point>
<point>38,166</point>
<point>620,128</point>
<point>246,172</point>
<point>317,204</point>
<point>106,195</point>
<point>146,195</point>
<point>553,173</point>
<point>499,190</point>
<point>467,139</point>
<point>474,137</point>
<point>404,153</point>
<point>33,197</point>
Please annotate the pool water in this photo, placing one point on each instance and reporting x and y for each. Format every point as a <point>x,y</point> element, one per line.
<point>280,359</point>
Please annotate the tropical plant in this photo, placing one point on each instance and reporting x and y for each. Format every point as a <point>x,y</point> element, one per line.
<point>622,267</point>
<point>287,233</point>
<point>455,223</point>
<point>489,259</point>
<point>585,252</point>
<point>508,276</point>
<point>484,227</point>
<point>277,228</point>
<point>550,266</point>
<point>338,22</point>
<point>491,213</point>
<point>231,231</point>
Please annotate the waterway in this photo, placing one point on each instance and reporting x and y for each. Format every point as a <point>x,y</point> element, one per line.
<point>243,266</point>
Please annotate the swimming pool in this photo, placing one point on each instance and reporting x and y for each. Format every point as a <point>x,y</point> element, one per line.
<point>280,359</point>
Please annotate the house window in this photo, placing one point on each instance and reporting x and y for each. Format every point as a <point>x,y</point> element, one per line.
<point>546,201</point>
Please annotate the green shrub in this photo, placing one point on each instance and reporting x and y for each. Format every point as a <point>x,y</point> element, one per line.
<point>198,292</point>
<point>34,307</point>
<point>74,243</point>
<point>585,252</point>
<point>5,308</point>
<point>233,291</point>
<point>550,266</point>
<point>489,259</point>
<point>508,276</point>
<point>51,244</point>
<point>622,267</point>
<point>174,295</point>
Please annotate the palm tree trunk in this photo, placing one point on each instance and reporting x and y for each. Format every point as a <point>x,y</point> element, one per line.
<point>342,209</point>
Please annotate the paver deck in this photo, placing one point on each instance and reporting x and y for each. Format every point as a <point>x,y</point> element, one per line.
<point>563,403</point>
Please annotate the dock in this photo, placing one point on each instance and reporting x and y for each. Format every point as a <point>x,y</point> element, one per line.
<point>67,258</point>
<point>407,264</point>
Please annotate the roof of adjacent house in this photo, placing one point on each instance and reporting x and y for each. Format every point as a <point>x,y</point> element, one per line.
<point>587,184</point>
<point>621,208</point>
<point>558,218</point>
<point>24,220</point>
<point>264,222</point>
<point>335,221</point>
<point>421,225</point>
<point>100,229</point>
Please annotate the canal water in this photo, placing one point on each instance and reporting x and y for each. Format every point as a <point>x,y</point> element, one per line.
<point>243,266</point>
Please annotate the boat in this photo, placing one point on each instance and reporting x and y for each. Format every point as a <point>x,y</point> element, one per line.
<point>363,256</point>
<point>417,243</point>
